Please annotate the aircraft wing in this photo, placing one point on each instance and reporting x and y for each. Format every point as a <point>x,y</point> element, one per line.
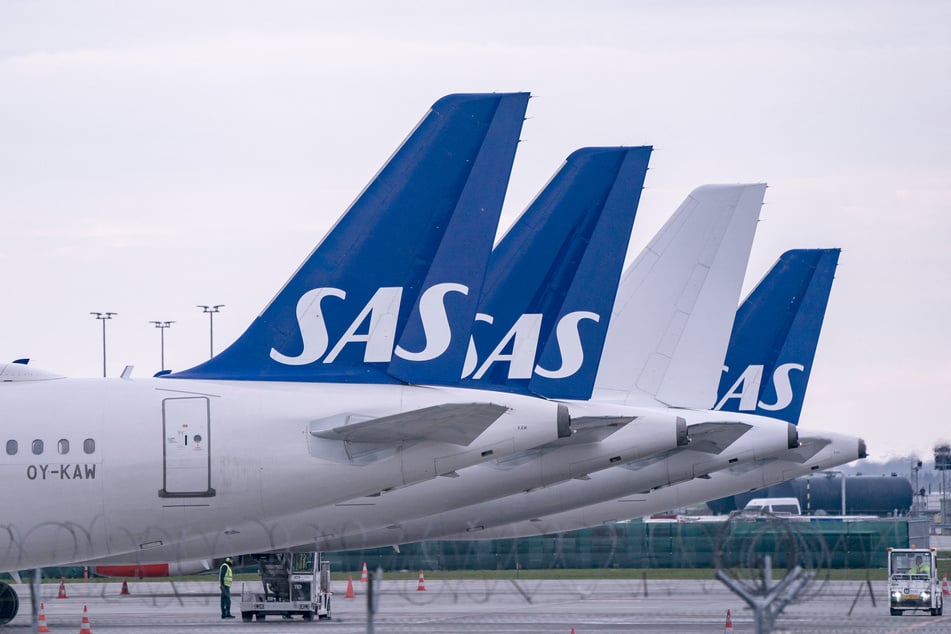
<point>454,423</point>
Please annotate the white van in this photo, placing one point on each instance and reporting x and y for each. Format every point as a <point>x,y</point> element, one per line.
<point>776,506</point>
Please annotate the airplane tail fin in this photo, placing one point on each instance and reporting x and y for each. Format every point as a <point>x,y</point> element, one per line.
<point>676,302</point>
<point>547,299</point>
<point>345,312</point>
<point>775,335</point>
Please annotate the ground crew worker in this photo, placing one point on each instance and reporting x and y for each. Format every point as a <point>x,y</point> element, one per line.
<point>920,567</point>
<point>224,581</point>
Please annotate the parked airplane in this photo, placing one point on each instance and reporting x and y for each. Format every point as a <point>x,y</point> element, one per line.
<point>712,231</point>
<point>299,412</point>
<point>539,272</point>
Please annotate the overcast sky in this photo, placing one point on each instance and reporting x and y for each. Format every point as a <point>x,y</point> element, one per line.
<point>158,155</point>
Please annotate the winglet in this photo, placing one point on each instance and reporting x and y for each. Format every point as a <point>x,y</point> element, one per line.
<point>341,315</point>
<point>775,336</point>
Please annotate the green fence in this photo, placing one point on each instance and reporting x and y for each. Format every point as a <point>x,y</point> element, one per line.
<point>638,544</point>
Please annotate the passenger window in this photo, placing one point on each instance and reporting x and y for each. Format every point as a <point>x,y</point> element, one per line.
<point>37,447</point>
<point>12,447</point>
<point>89,446</point>
<point>62,446</point>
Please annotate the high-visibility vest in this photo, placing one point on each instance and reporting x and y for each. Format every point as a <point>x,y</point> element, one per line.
<point>224,575</point>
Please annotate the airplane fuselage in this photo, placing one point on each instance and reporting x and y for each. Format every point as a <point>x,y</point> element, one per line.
<point>122,466</point>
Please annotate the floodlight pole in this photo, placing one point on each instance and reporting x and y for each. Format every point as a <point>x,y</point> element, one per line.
<point>211,310</point>
<point>103,317</point>
<point>162,325</point>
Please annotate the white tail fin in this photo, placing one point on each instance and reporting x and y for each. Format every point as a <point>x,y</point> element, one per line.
<point>676,302</point>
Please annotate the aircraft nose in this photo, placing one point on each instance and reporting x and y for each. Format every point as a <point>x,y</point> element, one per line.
<point>863,450</point>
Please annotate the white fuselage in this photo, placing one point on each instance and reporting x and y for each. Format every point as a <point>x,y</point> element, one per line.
<point>97,468</point>
<point>529,484</point>
<point>371,519</point>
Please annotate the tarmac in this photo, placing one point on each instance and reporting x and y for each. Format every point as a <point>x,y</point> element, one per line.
<point>450,606</point>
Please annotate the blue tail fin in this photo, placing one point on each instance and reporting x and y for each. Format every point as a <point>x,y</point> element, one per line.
<point>344,314</point>
<point>775,336</point>
<point>550,287</point>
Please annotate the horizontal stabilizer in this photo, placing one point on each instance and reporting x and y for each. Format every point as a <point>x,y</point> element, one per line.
<point>590,422</point>
<point>588,429</point>
<point>808,448</point>
<point>715,437</point>
<point>16,371</point>
<point>455,423</point>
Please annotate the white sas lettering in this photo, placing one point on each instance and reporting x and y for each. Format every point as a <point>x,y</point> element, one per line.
<point>524,337</point>
<point>783,387</point>
<point>313,329</point>
<point>472,355</point>
<point>383,309</point>
<point>436,326</point>
<point>569,344</point>
<point>747,388</point>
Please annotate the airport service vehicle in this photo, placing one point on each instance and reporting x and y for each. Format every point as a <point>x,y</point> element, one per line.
<point>293,584</point>
<point>773,506</point>
<point>913,581</point>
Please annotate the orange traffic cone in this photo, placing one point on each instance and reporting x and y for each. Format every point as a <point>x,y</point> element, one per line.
<point>363,575</point>
<point>42,620</point>
<point>62,589</point>
<point>85,629</point>
<point>729,623</point>
<point>125,588</point>
<point>944,587</point>
<point>349,594</point>
<point>422,583</point>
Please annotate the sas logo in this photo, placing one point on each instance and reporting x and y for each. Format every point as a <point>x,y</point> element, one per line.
<point>375,327</point>
<point>748,387</point>
<point>522,339</point>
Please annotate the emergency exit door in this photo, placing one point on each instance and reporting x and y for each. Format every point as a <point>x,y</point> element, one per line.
<point>186,448</point>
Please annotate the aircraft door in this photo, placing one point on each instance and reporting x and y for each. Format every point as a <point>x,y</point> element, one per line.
<point>186,448</point>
